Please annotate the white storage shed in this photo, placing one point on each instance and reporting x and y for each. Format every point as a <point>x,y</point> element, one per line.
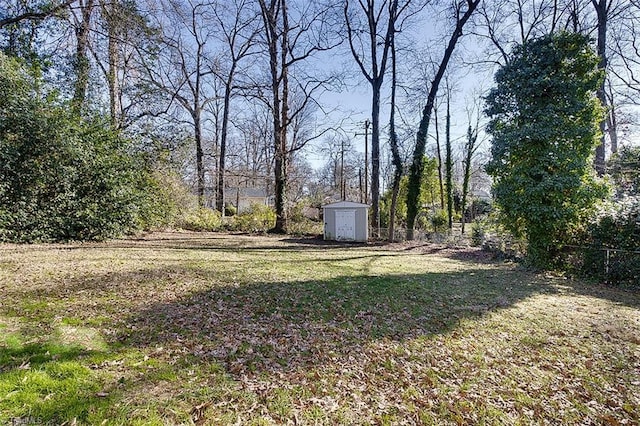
<point>346,221</point>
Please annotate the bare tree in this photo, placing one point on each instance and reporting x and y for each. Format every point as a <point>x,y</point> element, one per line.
<point>507,22</point>
<point>622,17</point>
<point>237,21</point>
<point>396,159</point>
<point>448,158</point>
<point>612,23</point>
<point>470,148</point>
<point>341,172</point>
<point>121,35</point>
<point>371,29</point>
<point>462,16</point>
<point>113,15</point>
<point>291,39</point>
<point>185,69</point>
<point>438,153</point>
<point>602,8</point>
<point>257,145</point>
<point>623,84</point>
<point>625,48</point>
<point>81,58</point>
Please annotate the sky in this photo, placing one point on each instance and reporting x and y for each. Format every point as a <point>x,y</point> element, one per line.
<point>425,38</point>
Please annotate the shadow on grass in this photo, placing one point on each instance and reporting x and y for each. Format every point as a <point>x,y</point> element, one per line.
<point>204,312</point>
<point>621,295</point>
<point>277,326</point>
<point>280,326</point>
<point>252,329</point>
<point>206,241</point>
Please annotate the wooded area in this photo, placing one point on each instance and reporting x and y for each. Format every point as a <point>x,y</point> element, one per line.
<point>165,166</point>
<point>147,113</point>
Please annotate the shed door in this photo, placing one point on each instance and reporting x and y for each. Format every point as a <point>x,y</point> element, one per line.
<point>345,225</point>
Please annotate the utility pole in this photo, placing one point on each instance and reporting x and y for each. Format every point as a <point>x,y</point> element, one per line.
<point>366,159</point>
<point>360,186</point>
<point>342,185</point>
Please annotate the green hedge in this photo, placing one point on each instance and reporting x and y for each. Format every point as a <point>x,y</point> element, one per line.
<point>64,177</point>
<point>610,247</point>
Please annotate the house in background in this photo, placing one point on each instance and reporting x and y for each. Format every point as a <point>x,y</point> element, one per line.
<point>240,198</point>
<point>243,198</point>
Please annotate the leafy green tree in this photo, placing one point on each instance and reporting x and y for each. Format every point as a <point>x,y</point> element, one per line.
<point>429,193</point>
<point>63,177</point>
<point>544,119</point>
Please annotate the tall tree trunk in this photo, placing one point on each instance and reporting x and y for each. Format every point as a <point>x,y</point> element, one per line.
<point>115,106</point>
<point>375,156</point>
<point>393,140</point>
<point>279,175</point>
<point>112,16</point>
<point>470,148</point>
<point>374,73</point>
<point>277,41</point>
<point>282,148</point>
<point>280,193</point>
<point>288,45</point>
<point>417,166</point>
<point>612,121</point>
<point>197,126</point>
<point>223,144</point>
<point>449,161</point>
<point>439,155</point>
<point>82,57</point>
<point>239,43</point>
<point>601,8</point>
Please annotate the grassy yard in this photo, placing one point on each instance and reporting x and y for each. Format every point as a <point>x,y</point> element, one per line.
<point>181,328</point>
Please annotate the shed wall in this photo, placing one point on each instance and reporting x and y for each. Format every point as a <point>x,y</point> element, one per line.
<point>361,223</point>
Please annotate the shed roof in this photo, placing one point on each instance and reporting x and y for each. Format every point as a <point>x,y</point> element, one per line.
<point>345,204</point>
<point>251,192</point>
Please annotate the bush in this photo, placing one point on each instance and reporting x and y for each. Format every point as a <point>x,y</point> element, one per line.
<point>477,233</point>
<point>428,194</point>
<point>439,221</point>
<point>299,224</point>
<point>169,201</point>
<point>616,227</point>
<point>544,118</point>
<point>478,208</point>
<point>296,214</point>
<point>202,219</point>
<point>305,226</point>
<point>230,210</point>
<point>490,234</point>
<point>64,177</point>
<point>258,219</point>
<point>624,167</point>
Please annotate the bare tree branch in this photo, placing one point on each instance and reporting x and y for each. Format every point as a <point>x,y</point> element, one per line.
<point>36,15</point>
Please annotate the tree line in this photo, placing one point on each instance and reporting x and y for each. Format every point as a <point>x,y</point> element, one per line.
<point>232,93</point>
